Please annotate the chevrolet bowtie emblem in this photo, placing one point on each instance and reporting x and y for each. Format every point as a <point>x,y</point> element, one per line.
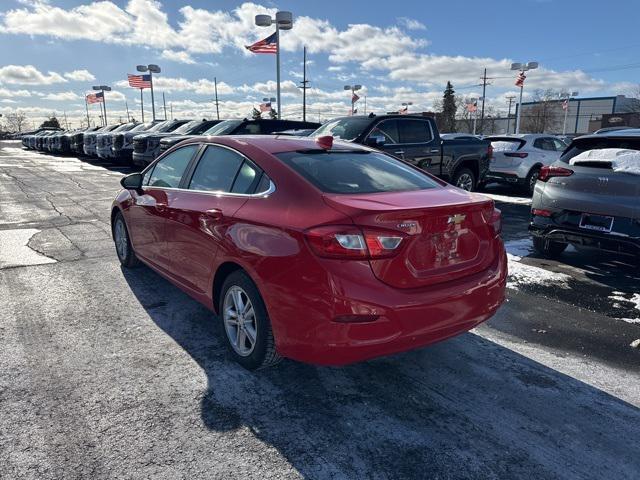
<point>456,219</point>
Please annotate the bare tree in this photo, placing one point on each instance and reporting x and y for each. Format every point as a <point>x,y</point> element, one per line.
<point>545,115</point>
<point>15,121</point>
<point>465,117</point>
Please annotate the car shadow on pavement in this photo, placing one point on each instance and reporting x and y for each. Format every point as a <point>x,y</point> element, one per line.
<point>465,408</point>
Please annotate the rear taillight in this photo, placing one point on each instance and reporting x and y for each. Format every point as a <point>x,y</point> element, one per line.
<point>550,171</point>
<point>516,154</point>
<point>540,212</point>
<point>496,221</point>
<point>346,242</point>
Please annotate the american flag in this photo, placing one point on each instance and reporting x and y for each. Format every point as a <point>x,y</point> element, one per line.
<point>520,79</point>
<point>139,81</point>
<point>95,98</point>
<point>354,98</point>
<point>472,107</point>
<point>404,110</point>
<point>267,45</point>
<point>565,104</point>
<point>265,107</point>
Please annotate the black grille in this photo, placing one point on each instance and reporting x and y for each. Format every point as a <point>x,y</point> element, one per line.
<point>139,145</point>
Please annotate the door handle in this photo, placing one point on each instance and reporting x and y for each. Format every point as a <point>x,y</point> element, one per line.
<point>435,150</point>
<point>399,152</point>
<point>214,214</point>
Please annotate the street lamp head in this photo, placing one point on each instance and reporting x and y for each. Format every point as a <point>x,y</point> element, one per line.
<point>272,99</point>
<point>263,20</point>
<point>574,94</point>
<point>142,68</point>
<point>357,87</point>
<point>347,87</point>
<point>154,68</point>
<point>516,66</point>
<point>532,65</point>
<point>105,88</point>
<point>96,87</point>
<point>284,20</point>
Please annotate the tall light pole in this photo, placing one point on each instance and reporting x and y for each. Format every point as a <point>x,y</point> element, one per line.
<point>511,98</point>
<point>522,67</point>
<point>283,21</point>
<point>151,69</point>
<point>354,89</point>
<point>103,88</point>
<point>567,96</point>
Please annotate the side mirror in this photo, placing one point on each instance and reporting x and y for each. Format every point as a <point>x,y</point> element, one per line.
<point>375,140</point>
<point>133,181</point>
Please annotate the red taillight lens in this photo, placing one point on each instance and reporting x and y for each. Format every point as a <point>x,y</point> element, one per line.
<point>516,154</point>
<point>550,171</point>
<point>541,213</point>
<point>345,242</point>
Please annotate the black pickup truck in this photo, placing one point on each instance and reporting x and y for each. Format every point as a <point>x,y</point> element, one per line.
<point>415,139</point>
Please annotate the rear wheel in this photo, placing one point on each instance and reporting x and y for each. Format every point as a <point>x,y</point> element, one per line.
<point>548,247</point>
<point>126,255</point>
<point>246,323</point>
<point>532,178</point>
<point>464,179</point>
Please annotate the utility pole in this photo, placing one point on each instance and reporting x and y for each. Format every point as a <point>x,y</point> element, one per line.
<point>67,123</point>
<point>171,109</point>
<point>511,98</point>
<point>485,82</point>
<point>164,103</point>
<point>304,83</point>
<point>126,105</point>
<point>215,86</point>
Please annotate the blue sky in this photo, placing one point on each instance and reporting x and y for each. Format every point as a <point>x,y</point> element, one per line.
<point>54,50</point>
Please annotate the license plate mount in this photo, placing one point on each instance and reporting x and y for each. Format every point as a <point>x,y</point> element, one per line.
<point>598,223</point>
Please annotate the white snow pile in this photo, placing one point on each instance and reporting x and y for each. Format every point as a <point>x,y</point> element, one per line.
<point>622,160</point>
<point>521,274</point>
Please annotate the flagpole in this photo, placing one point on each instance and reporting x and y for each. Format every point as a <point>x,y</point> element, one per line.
<point>215,87</point>
<point>153,103</point>
<point>519,110</point>
<point>164,102</point>
<point>104,106</point>
<point>86,106</point>
<point>126,105</point>
<point>278,66</point>
<point>142,105</point>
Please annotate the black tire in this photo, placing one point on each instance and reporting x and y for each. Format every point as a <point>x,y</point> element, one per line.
<point>125,252</point>
<point>465,179</point>
<point>264,352</point>
<point>532,178</point>
<point>548,247</point>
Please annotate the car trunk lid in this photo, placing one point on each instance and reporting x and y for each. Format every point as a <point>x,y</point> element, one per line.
<point>448,233</point>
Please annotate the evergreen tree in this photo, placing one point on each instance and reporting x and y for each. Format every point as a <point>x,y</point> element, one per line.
<point>256,115</point>
<point>52,122</point>
<point>449,109</point>
<point>273,114</point>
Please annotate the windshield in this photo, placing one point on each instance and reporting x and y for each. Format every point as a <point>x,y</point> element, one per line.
<point>356,172</point>
<point>141,127</point>
<point>580,146</point>
<point>124,128</point>
<point>187,126</point>
<point>223,128</point>
<point>343,128</point>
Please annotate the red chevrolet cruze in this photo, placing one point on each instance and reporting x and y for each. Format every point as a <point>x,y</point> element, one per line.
<point>320,252</point>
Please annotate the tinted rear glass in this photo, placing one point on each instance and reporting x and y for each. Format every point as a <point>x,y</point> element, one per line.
<point>505,145</point>
<point>344,128</point>
<point>346,172</point>
<point>580,146</point>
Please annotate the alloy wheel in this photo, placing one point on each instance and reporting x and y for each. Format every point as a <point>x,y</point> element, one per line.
<point>240,322</point>
<point>465,182</point>
<point>120,239</point>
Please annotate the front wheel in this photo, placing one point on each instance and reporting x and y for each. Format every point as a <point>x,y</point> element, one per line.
<point>532,178</point>
<point>126,255</point>
<point>246,324</point>
<point>548,247</point>
<point>464,179</point>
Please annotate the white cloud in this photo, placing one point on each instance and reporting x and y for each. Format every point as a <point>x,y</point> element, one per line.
<point>6,100</point>
<point>28,75</point>
<point>4,92</point>
<point>62,96</point>
<point>80,76</point>
<point>200,87</point>
<point>411,23</point>
<point>177,56</point>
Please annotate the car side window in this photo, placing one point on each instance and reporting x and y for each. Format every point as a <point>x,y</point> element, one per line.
<point>216,170</point>
<point>560,146</point>
<point>414,131</point>
<point>263,184</point>
<point>538,143</point>
<point>246,178</point>
<point>168,171</point>
<point>249,129</point>
<point>388,129</point>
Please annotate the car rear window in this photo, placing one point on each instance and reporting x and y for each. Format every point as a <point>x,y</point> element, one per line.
<point>506,145</point>
<point>356,172</point>
<point>579,146</point>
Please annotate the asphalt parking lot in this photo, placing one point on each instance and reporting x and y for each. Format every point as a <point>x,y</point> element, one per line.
<point>106,373</point>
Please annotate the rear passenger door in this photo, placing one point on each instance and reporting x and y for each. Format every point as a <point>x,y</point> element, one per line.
<point>216,186</point>
<point>418,144</point>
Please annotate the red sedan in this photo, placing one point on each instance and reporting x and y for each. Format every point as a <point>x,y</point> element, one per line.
<point>320,252</point>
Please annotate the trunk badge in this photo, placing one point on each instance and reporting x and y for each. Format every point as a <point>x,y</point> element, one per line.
<point>456,219</point>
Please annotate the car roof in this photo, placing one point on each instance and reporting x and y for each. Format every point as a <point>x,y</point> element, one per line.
<point>272,143</point>
<point>630,132</point>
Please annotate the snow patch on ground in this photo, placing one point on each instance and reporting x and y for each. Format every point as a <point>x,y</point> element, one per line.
<point>622,300</point>
<point>506,199</point>
<point>522,274</point>
<point>520,247</point>
<point>15,251</point>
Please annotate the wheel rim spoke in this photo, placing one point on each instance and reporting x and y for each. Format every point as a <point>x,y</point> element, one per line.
<point>239,321</point>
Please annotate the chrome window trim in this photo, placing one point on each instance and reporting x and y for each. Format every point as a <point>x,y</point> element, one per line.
<point>219,193</point>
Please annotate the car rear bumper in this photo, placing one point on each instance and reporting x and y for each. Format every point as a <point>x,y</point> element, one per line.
<point>406,319</point>
<point>624,240</point>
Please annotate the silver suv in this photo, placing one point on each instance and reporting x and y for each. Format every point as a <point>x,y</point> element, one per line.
<point>517,159</point>
<point>588,201</point>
